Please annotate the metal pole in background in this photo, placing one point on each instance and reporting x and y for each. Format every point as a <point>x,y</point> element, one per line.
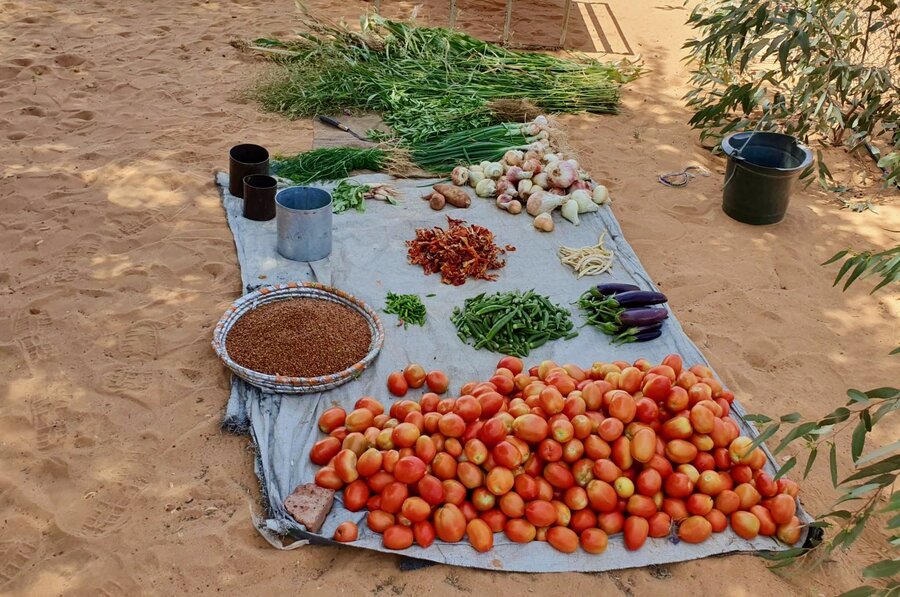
<point>507,21</point>
<point>565,24</point>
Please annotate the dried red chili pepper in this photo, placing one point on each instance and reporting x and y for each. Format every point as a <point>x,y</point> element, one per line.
<point>458,252</point>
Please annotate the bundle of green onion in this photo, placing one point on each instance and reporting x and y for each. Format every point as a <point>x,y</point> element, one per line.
<point>426,82</point>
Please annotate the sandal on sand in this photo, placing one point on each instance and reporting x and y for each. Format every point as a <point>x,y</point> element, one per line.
<point>680,179</point>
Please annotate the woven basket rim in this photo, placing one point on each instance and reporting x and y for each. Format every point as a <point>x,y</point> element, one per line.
<point>289,384</point>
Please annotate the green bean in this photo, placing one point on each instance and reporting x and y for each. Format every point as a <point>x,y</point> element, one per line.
<point>511,322</point>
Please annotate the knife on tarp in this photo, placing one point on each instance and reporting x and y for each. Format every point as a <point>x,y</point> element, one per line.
<point>338,125</point>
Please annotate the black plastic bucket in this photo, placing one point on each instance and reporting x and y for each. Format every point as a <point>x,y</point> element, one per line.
<point>762,168</point>
<point>245,160</point>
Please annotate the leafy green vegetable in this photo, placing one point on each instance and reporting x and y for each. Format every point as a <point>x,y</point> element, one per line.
<point>427,82</point>
<point>349,195</point>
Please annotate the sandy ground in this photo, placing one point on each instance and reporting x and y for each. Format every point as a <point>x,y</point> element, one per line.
<point>117,261</point>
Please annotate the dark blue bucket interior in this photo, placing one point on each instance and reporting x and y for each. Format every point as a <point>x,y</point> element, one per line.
<point>768,150</point>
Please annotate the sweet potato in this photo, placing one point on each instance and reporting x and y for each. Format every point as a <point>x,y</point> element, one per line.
<point>454,195</point>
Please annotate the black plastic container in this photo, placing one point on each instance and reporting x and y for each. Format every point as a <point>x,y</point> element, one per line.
<point>762,168</point>
<point>259,197</point>
<point>244,160</point>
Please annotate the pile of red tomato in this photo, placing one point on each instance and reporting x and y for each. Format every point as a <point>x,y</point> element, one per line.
<point>557,454</point>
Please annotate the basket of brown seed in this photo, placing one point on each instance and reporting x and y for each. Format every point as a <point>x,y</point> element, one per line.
<point>298,338</point>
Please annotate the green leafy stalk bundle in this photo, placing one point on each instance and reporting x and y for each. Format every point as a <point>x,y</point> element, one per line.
<point>426,82</point>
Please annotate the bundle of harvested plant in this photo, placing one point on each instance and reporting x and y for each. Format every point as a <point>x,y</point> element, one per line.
<point>426,82</point>
<point>334,163</point>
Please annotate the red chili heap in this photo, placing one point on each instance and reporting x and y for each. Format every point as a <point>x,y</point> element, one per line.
<point>457,253</point>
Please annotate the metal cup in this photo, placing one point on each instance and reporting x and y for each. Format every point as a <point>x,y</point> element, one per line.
<point>245,160</point>
<point>259,197</point>
<point>304,223</point>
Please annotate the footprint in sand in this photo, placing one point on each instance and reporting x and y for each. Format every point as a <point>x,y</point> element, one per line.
<point>36,111</point>
<point>141,341</point>
<point>19,545</point>
<point>111,509</point>
<point>68,60</point>
<point>8,73</point>
<point>22,61</point>
<point>49,421</point>
<point>143,223</point>
<point>31,331</point>
<point>17,136</point>
<point>128,380</point>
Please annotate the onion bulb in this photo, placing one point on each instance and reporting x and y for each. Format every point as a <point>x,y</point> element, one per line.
<point>475,176</point>
<point>544,222</point>
<point>563,174</point>
<point>532,165</point>
<point>524,187</point>
<point>493,170</point>
<point>459,176</point>
<point>486,188</point>
<point>516,173</point>
<point>541,180</point>
<point>584,201</point>
<point>513,157</point>
<point>570,211</point>
<point>601,195</point>
<point>506,187</point>
<point>541,120</point>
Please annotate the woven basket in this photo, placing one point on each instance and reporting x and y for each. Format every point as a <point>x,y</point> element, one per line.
<point>279,292</point>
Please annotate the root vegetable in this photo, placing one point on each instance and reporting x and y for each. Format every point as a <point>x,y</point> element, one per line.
<point>453,195</point>
<point>509,204</point>
<point>516,174</point>
<point>513,157</point>
<point>475,176</point>
<point>544,222</point>
<point>437,201</point>
<point>476,168</point>
<point>542,202</point>
<point>524,187</point>
<point>601,195</point>
<point>570,211</point>
<point>583,198</point>
<point>563,174</point>
<point>533,165</point>
<point>580,185</point>
<point>505,187</point>
<point>459,176</point>
<point>493,170</point>
<point>486,188</point>
<point>541,180</point>
<point>556,191</point>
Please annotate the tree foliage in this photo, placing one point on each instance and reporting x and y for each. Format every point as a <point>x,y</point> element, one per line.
<point>802,67</point>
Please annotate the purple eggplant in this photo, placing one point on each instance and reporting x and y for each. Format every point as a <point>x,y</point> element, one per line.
<point>611,288</point>
<point>648,335</point>
<point>639,298</point>
<point>642,316</point>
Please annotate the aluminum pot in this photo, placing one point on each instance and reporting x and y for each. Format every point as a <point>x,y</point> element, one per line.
<point>303,219</point>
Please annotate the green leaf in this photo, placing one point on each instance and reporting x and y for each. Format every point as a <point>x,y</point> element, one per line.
<point>879,452</point>
<point>882,569</point>
<point>887,465</point>
<point>838,415</point>
<point>761,419</point>
<point>867,420</point>
<point>786,467</point>
<point>847,264</point>
<point>798,431</point>
<point>790,418</point>
<point>895,351</point>
<point>786,554</point>
<point>884,393</point>
<point>858,441</point>
<point>832,463</point>
<point>893,502</point>
<point>857,396</point>
<point>859,592</point>
<point>839,254</point>
<point>809,463</point>
<point>842,514</point>
<point>762,437</point>
<point>893,523</point>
